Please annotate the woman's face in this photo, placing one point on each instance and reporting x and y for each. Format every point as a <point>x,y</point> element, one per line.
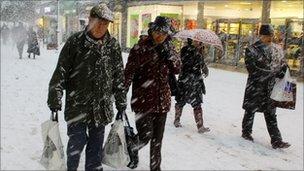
<point>159,37</point>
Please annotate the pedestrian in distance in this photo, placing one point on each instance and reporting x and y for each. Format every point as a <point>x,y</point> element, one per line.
<point>32,41</point>
<point>20,38</point>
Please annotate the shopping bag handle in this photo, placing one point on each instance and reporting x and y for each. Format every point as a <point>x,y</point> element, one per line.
<point>54,116</point>
<point>121,116</point>
<point>127,120</point>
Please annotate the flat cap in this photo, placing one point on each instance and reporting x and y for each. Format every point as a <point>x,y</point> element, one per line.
<point>101,11</point>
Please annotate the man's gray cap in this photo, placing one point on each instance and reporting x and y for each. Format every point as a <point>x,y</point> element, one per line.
<point>101,11</point>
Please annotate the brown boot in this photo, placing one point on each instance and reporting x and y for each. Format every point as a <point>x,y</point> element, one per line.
<point>178,114</point>
<point>198,116</point>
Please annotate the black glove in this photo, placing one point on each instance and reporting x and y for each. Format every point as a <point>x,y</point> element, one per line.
<point>281,73</point>
<point>120,115</point>
<point>55,109</point>
<point>163,51</point>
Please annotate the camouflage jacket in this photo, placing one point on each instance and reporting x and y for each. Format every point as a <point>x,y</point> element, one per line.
<point>91,72</point>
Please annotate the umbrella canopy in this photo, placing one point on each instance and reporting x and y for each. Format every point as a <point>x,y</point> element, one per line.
<point>202,35</point>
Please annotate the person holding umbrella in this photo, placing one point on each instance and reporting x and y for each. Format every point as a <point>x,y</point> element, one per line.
<point>191,85</point>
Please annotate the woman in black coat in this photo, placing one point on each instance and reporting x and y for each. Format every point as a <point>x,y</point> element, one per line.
<point>33,46</point>
<point>191,85</point>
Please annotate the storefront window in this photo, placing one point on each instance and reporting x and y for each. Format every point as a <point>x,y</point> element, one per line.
<point>139,18</point>
<point>235,26</point>
<point>287,19</point>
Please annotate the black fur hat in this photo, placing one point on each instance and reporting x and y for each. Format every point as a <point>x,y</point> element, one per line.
<point>266,29</point>
<point>163,24</point>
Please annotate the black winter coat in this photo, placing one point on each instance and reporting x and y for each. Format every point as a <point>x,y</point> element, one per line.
<point>91,72</point>
<point>191,85</point>
<point>32,41</point>
<point>261,78</point>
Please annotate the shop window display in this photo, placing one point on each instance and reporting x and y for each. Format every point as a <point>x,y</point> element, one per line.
<point>288,35</point>
<point>134,29</point>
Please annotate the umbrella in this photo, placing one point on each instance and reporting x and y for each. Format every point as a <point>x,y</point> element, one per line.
<point>53,155</point>
<point>202,35</point>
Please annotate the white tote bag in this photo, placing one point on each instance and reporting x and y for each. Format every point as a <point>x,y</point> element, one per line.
<point>282,91</point>
<point>115,152</point>
<point>53,155</point>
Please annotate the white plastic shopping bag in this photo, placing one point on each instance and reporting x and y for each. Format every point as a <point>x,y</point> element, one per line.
<point>282,90</point>
<point>53,155</point>
<point>115,152</point>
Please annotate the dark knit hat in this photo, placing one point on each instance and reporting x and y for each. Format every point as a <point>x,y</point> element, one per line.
<point>266,29</point>
<point>163,24</point>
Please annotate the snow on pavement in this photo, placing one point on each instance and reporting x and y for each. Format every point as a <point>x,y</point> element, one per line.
<point>24,88</point>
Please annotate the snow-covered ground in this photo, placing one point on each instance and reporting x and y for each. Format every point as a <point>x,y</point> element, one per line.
<point>24,88</point>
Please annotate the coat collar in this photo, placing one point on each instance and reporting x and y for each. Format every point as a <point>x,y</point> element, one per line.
<point>261,46</point>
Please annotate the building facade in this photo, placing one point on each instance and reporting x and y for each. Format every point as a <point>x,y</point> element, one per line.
<point>236,23</point>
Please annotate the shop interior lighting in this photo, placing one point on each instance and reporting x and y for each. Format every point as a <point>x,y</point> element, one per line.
<point>245,3</point>
<point>209,7</point>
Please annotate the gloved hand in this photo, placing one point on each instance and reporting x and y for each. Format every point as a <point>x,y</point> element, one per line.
<point>120,114</point>
<point>163,50</point>
<point>55,109</point>
<point>281,73</point>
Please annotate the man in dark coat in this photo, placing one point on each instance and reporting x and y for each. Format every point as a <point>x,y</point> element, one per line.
<point>32,42</point>
<point>90,69</point>
<point>148,67</point>
<point>258,60</point>
<point>191,85</point>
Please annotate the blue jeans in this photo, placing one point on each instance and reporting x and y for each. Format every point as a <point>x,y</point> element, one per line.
<point>81,134</point>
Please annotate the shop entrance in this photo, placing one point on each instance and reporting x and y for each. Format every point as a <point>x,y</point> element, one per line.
<point>235,35</point>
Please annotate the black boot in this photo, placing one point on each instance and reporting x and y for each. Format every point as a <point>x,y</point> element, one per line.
<point>134,162</point>
<point>178,114</point>
<point>198,116</point>
<point>280,144</point>
<point>133,153</point>
<point>247,136</point>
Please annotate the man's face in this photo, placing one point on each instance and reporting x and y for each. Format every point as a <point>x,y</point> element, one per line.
<point>159,37</point>
<point>98,27</point>
<point>266,39</point>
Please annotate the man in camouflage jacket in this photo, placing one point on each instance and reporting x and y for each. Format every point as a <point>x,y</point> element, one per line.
<point>90,69</point>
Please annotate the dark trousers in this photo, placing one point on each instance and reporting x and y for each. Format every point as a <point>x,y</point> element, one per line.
<point>81,134</point>
<point>271,122</point>
<point>151,126</point>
